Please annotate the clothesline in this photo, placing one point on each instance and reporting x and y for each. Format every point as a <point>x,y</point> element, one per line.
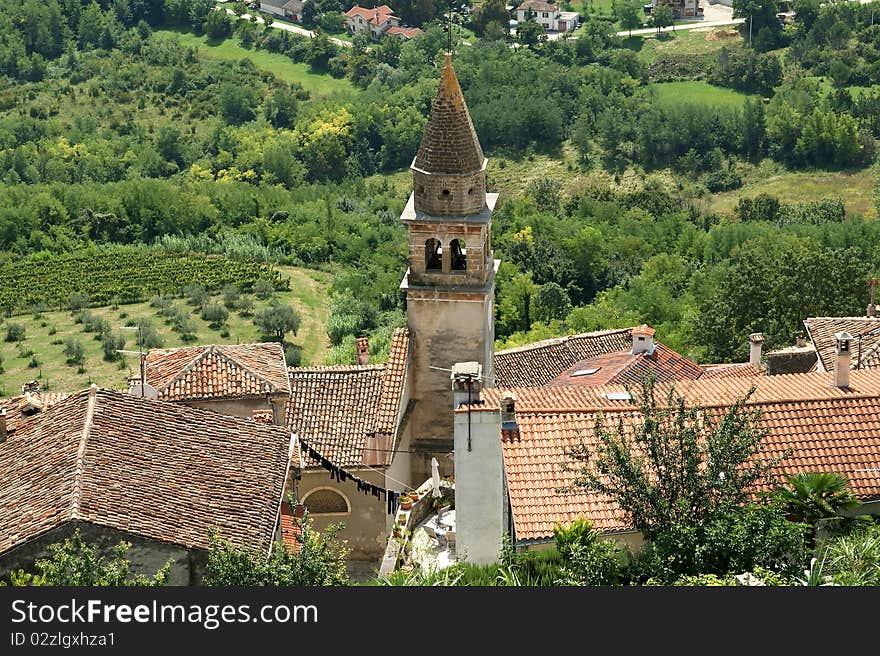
<point>391,497</point>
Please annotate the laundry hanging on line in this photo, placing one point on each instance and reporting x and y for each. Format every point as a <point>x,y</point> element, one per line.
<point>337,473</point>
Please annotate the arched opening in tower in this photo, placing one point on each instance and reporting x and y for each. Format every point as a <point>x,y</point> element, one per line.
<point>433,255</point>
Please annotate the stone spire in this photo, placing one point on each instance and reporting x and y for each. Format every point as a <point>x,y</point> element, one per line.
<point>449,144</point>
<point>449,170</point>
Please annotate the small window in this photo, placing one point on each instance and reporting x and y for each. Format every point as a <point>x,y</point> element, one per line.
<point>445,195</point>
<point>459,255</point>
<point>586,372</point>
<point>325,501</point>
<point>471,191</point>
<point>433,255</point>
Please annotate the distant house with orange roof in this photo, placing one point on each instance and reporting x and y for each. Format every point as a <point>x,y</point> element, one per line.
<point>377,22</point>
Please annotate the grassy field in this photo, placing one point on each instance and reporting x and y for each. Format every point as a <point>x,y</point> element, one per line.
<point>855,189</point>
<point>686,42</point>
<point>696,92</point>
<point>309,297</point>
<point>279,65</point>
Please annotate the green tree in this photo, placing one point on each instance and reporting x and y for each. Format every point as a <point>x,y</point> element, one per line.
<point>277,320</point>
<point>281,108</point>
<point>237,104</point>
<point>215,314</point>
<point>77,563</point>
<point>674,464</point>
<point>662,16</point>
<point>73,351</point>
<point>630,14</point>
<point>320,560</point>
<point>529,33</point>
<point>217,25</point>
<point>492,11</point>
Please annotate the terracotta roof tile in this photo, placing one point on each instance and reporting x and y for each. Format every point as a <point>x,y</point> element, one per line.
<point>205,372</point>
<point>163,471</point>
<point>339,411</point>
<point>821,331</point>
<point>539,363</point>
<point>375,16</point>
<point>828,429</point>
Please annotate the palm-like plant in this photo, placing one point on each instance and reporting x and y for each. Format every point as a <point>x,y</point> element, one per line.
<point>814,496</point>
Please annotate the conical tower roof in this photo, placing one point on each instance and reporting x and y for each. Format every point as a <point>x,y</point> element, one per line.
<point>449,144</point>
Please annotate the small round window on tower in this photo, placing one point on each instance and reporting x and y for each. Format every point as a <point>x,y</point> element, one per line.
<point>445,194</point>
<point>471,191</point>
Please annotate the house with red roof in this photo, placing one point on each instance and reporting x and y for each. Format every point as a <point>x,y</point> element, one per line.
<point>377,22</point>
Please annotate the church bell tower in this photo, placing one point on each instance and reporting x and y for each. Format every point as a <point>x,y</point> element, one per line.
<point>450,282</point>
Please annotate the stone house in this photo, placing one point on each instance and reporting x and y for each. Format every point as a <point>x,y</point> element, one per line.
<point>353,419</point>
<point>118,467</point>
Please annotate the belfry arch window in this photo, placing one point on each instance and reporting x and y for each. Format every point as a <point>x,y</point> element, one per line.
<point>458,251</point>
<point>433,255</point>
<point>326,501</point>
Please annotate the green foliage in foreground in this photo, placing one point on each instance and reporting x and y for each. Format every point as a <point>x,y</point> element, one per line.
<point>320,560</point>
<point>122,273</point>
<point>74,562</point>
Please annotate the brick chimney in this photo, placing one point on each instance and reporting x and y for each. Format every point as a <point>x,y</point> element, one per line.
<point>755,342</point>
<point>800,340</point>
<point>842,350</point>
<point>31,387</point>
<point>362,344</point>
<point>467,382</point>
<point>643,339</point>
<point>2,425</point>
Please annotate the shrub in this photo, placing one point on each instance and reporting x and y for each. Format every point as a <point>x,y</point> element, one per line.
<point>587,559</point>
<point>77,302</point>
<point>197,295</point>
<point>14,332</point>
<point>215,314</point>
<point>73,351</point>
<point>110,343</point>
<point>231,296</point>
<point>263,289</point>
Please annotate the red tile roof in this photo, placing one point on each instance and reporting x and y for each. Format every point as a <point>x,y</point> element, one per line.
<point>536,5</point>
<point>625,367</point>
<point>541,362</point>
<point>733,370</point>
<point>828,429</point>
<point>375,16</point>
<point>408,32</point>
<point>163,471</point>
<point>212,372</point>
<point>821,331</point>
<point>344,412</point>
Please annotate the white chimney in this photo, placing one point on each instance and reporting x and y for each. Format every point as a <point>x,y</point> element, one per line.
<point>467,380</point>
<point>2,425</point>
<point>842,349</point>
<point>480,487</point>
<point>362,344</point>
<point>755,342</point>
<point>643,339</point>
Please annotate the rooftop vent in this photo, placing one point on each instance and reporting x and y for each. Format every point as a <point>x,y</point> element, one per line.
<point>362,344</point>
<point>755,342</point>
<point>618,396</point>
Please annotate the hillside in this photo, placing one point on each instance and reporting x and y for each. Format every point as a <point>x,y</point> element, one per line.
<point>41,353</point>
